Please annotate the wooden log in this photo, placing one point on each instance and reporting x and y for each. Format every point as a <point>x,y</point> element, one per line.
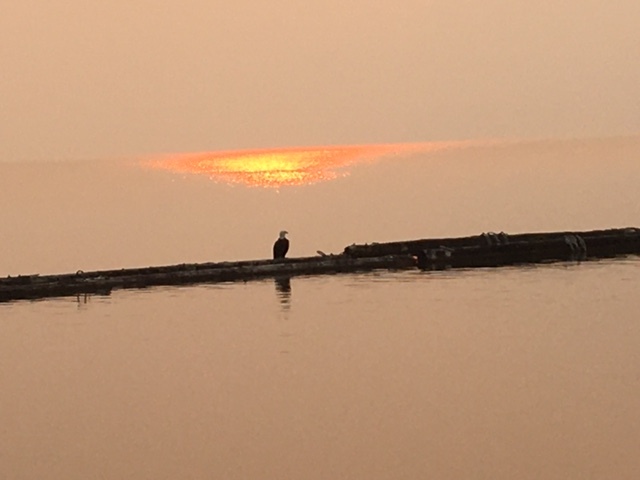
<point>499,255</point>
<point>103,282</point>
<point>486,250</point>
<point>606,242</point>
<point>570,247</point>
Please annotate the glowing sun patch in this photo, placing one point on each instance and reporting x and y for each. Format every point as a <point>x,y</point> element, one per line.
<point>274,168</point>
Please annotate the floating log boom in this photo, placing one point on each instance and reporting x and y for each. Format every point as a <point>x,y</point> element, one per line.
<point>102,282</point>
<point>485,250</point>
<point>500,249</point>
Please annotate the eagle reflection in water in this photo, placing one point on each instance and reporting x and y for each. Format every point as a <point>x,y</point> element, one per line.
<point>283,290</point>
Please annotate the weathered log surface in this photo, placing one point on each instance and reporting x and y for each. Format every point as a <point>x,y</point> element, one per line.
<point>499,249</point>
<point>485,250</point>
<point>102,282</point>
<point>609,239</point>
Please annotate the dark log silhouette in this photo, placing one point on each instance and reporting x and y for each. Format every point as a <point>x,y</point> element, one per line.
<point>102,282</point>
<point>499,249</point>
<point>616,241</point>
<point>485,250</point>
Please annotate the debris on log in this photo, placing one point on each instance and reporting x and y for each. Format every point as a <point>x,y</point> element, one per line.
<point>485,250</point>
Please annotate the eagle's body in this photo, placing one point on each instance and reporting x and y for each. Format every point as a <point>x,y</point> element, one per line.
<point>281,247</point>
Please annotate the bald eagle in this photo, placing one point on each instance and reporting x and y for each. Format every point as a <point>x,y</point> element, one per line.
<point>281,247</point>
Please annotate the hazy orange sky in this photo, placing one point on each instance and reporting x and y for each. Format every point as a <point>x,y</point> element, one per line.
<point>101,79</point>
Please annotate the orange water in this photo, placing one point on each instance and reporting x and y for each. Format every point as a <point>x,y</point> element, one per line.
<point>527,372</point>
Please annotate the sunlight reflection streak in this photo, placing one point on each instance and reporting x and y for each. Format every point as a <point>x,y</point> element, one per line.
<point>274,168</point>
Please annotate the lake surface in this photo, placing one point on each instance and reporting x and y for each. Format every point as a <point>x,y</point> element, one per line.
<point>528,372</point>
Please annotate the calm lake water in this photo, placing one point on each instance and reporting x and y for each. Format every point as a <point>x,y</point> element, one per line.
<point>530,372</point>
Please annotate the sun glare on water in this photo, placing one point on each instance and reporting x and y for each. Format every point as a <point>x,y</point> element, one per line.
<point>275,168</point>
